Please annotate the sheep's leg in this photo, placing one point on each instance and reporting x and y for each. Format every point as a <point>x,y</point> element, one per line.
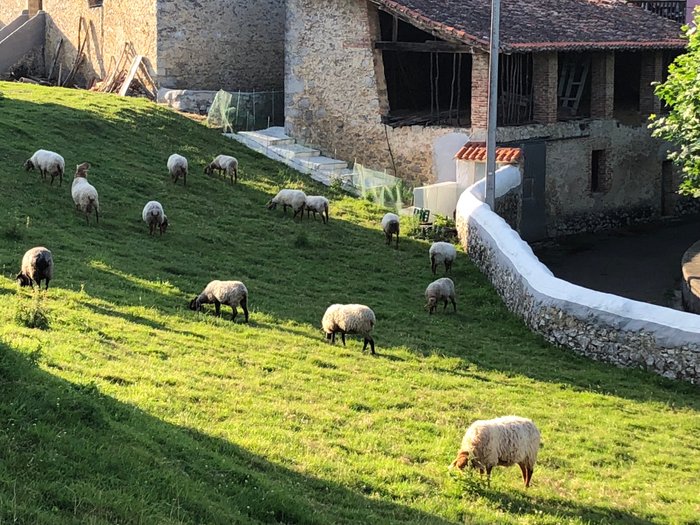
<point>530,470</point>
<point>53,175</point>
<point>244,307</point>
<point>444,307</point>
<point>234,313</point>
<point>230,171</point>
<point>454,303</point>
<point>235,175</point>
<point>284,206</point>
<point>433,264</point>
<point>448,266</point>
<point>371,343</point>
<point>217,308</point>
<point>47,284</point>
<point>184,179</point>
<point>524,471</point>
<point>333,337</point>
<point>97,216</point>
<point>488,476</point>
<point>342,335</point>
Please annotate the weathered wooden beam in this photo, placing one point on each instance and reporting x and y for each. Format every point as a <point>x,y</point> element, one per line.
<point>423,47</point>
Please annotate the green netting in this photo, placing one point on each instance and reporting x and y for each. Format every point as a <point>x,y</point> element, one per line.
<point>246,111</point>
<point>378,186</point>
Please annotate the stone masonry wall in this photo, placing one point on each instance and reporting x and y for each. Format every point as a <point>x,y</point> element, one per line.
<point>221,44</point>
<point>11,9</point>
<point>335,92</point>
<point>600,326</point>
<point>109,27</point>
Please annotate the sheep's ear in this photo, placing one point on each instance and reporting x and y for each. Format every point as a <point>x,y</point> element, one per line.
<point>460,461</point>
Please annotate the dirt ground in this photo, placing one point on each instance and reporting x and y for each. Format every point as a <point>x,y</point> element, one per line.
<point>640,262</point>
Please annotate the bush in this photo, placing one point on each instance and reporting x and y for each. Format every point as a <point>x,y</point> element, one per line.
<point>34,314</point>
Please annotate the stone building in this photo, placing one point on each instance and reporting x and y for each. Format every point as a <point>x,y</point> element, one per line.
<point>193,44</point>
<point>387,82</point>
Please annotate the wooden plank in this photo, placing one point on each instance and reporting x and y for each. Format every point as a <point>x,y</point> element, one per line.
<point>130,76</point>
<point>55,57</point>
<point>423,47</point>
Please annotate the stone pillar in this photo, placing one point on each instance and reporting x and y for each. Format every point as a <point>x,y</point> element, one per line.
<point>544,87</point>
<point>33,6</point>
<point>602,85</point>
<point>650,71</point>
<point>480,90</point>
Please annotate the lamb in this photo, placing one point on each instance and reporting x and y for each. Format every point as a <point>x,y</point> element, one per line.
<point>349,319</point>
<point>223,163</point>
<point>295,199</point>
<point>84,194</point>
<point>502,441</point>
<point>390,225</point>
<point>48,163</point>
<point>231,293</point>
<point>37,265</point>
<point>155,217</point>
<point>317,203</point>
<point>177,166</point>
<point>442,252</point>
<point>441,290</point>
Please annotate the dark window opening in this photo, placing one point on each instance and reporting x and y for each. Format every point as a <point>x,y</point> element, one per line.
<point>598,171</point>
<point>574,86</point>
<point>628,68</point>
<point>94,3</point>
<point>515,98</point>
<point>428,80</point>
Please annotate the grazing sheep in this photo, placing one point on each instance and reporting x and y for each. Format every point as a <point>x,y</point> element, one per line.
<point>223,163</point>
<point>48,163</point>
<point>84,194</point>
<point>317,203</point>
<point>37,265</point>
<point>177,166</point>
<point>295,199</point>
<point>441,290</point>
<point>502,441</point>
<point>442,252</point>
<point>390,225</point>
<point>231,293</point>
<point>349,319</point>
<point>154,216</point>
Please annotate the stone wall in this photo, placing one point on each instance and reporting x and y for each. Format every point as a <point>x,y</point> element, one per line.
<point>600,326</point>
<point>11,9</point>
<point>109,27</point>
<point>221,44</point>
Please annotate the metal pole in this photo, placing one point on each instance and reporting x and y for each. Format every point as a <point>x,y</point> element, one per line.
<point>493,105</point>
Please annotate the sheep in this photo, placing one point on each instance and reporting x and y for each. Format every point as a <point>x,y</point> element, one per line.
<point>390,225</point>
<point>231,293</point>
<point>317,203</point>
<point>441,290</point>
<point>37,265</point>
<point>349,319</point>
<point>295,199</point>
<point>223,163</point>
<point>502,441</point>
<point>84,194</point>
<point>154,216</point>
<point>177,166</point>
<point>442,252</point>
<point>48,163</point>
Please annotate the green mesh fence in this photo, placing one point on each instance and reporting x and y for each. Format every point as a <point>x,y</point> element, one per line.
<point>379,186</point>
<point>246,111</point>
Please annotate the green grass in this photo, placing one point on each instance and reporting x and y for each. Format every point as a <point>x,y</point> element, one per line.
<point>129,408</point>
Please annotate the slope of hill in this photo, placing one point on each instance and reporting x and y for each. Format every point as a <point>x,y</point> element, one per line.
<point>130,408</point>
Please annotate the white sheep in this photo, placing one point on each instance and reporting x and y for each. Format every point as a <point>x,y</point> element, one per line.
<point>155,217</point>
<point>177,166</point>
<point>317,204</point>
<point>440,290</point>
<point>48,163</point>
<point>37,265</point>
<point>84,194</point>
<point>442,252</point>
<point>295,199</point>
<point>231,293</point>
<point>223,163</point>
<point>390,225</point>
<point>504,441</point>
<point>349,319</point>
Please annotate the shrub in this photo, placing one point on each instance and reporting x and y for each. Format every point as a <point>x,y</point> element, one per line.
<point>34,314</point>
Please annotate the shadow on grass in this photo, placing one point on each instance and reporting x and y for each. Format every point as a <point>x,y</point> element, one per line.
<point>72,454</point>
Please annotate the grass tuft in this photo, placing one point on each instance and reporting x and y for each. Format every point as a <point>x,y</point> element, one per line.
<point>33,314</point>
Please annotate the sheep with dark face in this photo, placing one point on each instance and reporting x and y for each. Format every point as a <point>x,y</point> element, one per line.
<point>223,163</point>
<point>349,319</point>
<point>48,163</point>
<point>84,194</point>
<point>442,253</point>
<point>177,167</point>
<point>295,199</point>
<point>37,266</point>
<point>230,293</point>
<point>441,290</point>
<point>390,225</point>
<point>155,217</point>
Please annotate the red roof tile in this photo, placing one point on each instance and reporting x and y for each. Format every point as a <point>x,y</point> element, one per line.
<point>477,151</point>
<point>542,25</point>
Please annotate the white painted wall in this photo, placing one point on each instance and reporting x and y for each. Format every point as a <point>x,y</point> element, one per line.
<point>444,150</point>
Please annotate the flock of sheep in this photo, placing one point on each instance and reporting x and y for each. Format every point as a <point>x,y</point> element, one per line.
<point>503,441</point>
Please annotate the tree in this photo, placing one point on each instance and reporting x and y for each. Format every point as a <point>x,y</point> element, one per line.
<point>681,126</point>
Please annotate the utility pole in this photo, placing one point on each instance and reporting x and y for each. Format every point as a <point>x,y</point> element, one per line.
<point>493,105</point>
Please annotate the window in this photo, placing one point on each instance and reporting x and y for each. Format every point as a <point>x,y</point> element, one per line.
<point>628,68</point>
<point>94,3</point>
<point>598,171</point>
<point>574,86</point>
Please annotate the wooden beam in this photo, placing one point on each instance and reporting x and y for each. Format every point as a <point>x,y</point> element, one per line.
<point>130,75</point>
<point>423,47</point>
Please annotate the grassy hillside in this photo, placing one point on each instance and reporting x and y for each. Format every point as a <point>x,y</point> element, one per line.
<point>130,408</point>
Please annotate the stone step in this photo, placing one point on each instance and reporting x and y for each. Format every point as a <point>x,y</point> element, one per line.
<point>294,151</point>
<point>274,136</point>
<point>322,164</point>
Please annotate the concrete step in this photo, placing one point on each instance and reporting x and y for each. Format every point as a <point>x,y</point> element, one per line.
<point>322,164</point>
<point>294,151</point>
<point>269,137</point>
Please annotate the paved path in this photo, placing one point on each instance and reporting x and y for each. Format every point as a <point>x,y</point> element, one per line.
<point>640,262</point>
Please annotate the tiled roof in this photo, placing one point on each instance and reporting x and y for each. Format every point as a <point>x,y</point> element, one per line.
<point>477,151</point>
<point>542,25</point>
